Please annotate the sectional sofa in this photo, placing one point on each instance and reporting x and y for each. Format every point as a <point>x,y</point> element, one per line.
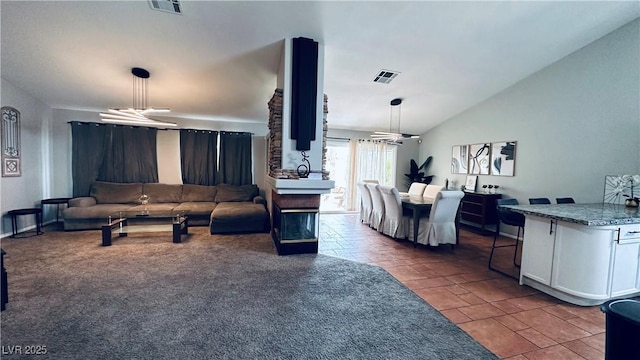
<point>224,208</point>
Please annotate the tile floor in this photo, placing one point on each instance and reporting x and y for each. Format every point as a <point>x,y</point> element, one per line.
<point>514,322</point>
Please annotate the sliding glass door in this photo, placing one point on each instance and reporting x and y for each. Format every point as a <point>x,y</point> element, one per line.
<point>338,164</point>
<point>351,161</point>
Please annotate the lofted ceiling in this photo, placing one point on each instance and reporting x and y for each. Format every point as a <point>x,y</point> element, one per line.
<point>218,60</point>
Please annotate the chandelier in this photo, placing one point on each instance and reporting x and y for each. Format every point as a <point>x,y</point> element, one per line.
<point>393,136</point>
<point>138,113</point>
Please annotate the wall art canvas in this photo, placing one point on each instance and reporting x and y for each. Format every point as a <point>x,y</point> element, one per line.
<point>503,158</point>
<point>479,159</point>
<point>459,160</point>
<point>10,142</point>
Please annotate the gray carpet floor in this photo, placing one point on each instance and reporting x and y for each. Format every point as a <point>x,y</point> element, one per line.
<point>212,297</point>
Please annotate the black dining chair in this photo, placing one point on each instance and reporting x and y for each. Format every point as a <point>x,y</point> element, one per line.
<point>539,201</point>
<point>565,200</point>
<point>508,217</point>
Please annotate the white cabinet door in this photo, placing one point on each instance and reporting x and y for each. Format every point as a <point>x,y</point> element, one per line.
<point>625,264</point>
<point>537,251</point>
<point>581,260</point>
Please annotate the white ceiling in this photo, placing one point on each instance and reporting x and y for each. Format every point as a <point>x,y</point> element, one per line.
<point>218,61</point>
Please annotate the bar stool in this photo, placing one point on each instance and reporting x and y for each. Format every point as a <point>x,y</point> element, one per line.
<point>539,201</point>
<point>29,211</point>
<point>508,217</point>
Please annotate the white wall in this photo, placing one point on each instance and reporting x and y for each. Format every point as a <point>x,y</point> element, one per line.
<point>27,190</point>
<point>574,121</point>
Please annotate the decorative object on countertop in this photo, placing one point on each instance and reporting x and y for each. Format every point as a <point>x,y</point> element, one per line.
<point>619,189</point>
<point>470,183</point>
<point>303,170</point>
<point>490,189</point>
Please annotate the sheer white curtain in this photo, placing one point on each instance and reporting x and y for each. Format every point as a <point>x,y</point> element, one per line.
<point>370,160</point>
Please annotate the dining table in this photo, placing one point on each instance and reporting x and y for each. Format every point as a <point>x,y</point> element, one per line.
<point>418,205</point>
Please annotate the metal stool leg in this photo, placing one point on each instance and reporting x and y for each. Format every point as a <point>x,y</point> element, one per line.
<point>494,246</point>
<point>515,253</point>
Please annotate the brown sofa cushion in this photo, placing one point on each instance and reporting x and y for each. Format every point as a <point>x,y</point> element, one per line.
<point>192,192</point>
<point>116,193</point>
<point>196,207</point>
<point>233,193</point>
<point>163,193</point>
<point>234,217</point>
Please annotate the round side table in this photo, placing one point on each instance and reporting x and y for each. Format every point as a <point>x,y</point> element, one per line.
<point>29,211</point>
<point>57,202</point>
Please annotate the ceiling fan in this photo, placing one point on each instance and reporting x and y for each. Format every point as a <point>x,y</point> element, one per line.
<point>391,136</point>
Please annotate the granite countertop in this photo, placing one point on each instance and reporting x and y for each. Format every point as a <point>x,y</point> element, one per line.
<point>598,214</point>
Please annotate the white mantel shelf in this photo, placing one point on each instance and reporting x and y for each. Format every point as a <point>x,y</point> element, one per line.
<point>301,186</point>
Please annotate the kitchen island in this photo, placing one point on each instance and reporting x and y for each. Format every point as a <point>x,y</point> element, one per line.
<point>584,254</point>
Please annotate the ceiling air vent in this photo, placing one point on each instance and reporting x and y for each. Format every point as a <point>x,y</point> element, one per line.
<point>171,6</point>
<point>385,76</point>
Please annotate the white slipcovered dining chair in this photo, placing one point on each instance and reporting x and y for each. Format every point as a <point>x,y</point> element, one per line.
<point>393,224</point>
<point>430,191</point>
<point>365,203</point>
<point>377,211</point>
<point>440,226</point>
<point>416,188</point>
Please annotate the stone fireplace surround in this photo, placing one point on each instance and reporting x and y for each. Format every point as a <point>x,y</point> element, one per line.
<point>274,141</point>
<point>293,201</point>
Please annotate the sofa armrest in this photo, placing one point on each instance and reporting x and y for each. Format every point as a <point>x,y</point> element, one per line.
<point>260,200</point>
<point>84,201</point>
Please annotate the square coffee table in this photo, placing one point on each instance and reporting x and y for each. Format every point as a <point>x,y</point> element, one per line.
<point>124,222</point>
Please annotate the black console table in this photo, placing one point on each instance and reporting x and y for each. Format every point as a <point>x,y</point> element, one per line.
<point>480,209</point>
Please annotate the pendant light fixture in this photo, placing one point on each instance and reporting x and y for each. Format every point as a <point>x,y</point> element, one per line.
<point>138,113</point>
<point>392,136</point>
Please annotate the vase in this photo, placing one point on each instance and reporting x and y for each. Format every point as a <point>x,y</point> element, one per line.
<point>631,203</point>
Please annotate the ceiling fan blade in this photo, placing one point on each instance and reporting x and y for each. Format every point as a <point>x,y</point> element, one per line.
<point>382,137</point>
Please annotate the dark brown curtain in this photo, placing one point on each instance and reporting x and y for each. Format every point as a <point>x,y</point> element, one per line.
<point>199,156</point>
<point>130,155</point>
<point>87,141</point>
<point>235,158</point>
